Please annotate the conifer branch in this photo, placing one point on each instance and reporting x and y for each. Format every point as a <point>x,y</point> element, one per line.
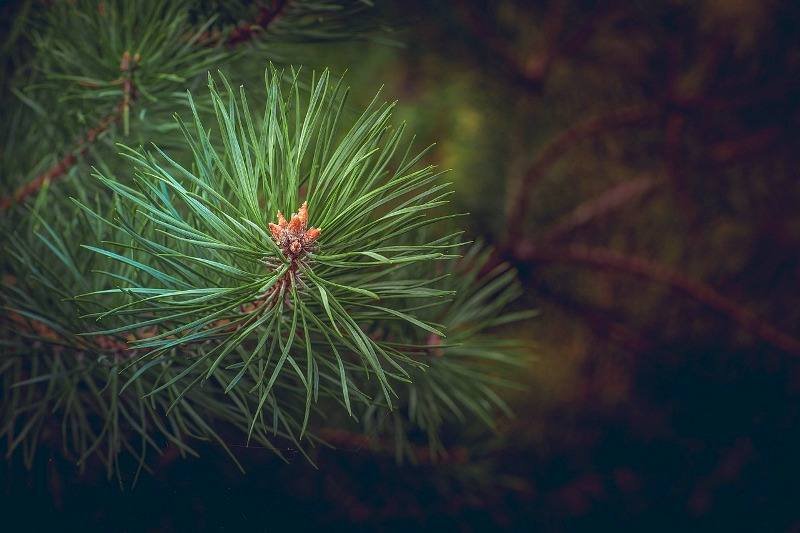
<point>186,272</point>
<point>614,198</point>
<point>63,166</point>
<point>247,31</point>
<point>519,196</point>
<point>607,259</point>
<point>240,34</point>
<point>121,112</point>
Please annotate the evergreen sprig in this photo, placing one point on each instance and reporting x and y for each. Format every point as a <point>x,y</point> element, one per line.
<point>207,267</point>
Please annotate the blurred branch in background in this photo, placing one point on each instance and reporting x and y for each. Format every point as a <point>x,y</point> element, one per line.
<point>519,195</point>
<point>649,168</point>
<point>690,98</point>
<point>529,71</point>
<point>62,167</point>
<point>606,259</point>
<point>604,204</point>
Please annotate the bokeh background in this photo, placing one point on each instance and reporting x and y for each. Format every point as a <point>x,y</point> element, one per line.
<point>638,162</point>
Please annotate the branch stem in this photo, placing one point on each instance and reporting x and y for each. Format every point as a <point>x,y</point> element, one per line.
<point>519,197</point>
<point>606,259</point>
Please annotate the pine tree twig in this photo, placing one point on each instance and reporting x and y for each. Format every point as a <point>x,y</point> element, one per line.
<point>20,323</point>
<point>119,345</point>
<point>241,33</point>
<point>612,199</point>
<point>532,73</point>
<point>730,150</point>
<point>239,309</point>
<point>606,259</point>
<point>45,335</point>
<point>62,167</point>
<point>266,16</point>
<point>519,195</point>
<point>246,31</point>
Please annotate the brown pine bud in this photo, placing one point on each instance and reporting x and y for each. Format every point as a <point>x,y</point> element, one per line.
<point>292,237</point>
<point>302,214</point>
<point>295,225</point>
<point>312,234</point>
<point>276,231</point>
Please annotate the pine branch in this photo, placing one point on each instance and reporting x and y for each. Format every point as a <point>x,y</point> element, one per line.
<point>519,195</point>
<point>192,275</point>
<point>121,111</point>
<point>606,259</point>
<point>63,166</point>
<point>608,201</point>
<point>210,265</point>
<point>266,16</point>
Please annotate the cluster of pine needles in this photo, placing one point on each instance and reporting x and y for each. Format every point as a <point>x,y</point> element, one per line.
<point>153,291</point>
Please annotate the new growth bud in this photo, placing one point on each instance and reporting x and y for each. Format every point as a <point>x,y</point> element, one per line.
<point>292,237</point>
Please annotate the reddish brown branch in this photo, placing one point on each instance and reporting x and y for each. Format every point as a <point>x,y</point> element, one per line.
<point>606,259</point>
<point>519,196</point>
<point>610,200</point>
<point>245,31</point>
<point>61,168</point>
